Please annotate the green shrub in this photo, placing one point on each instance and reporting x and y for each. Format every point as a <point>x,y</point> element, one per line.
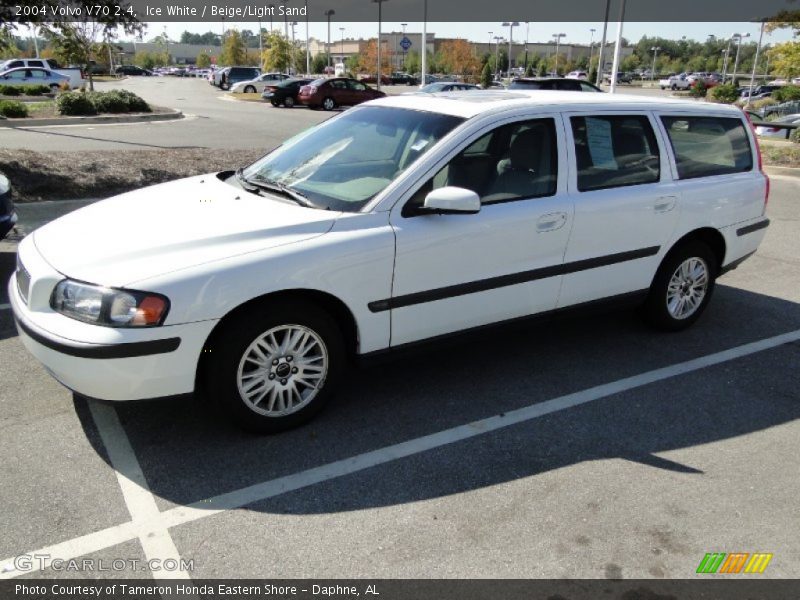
<point>724,94</point>
<point>134,102</point>
<point>13,109</point>
<point>787,93</point>
<point>75,104</point>
<point>108,102</point>
<point>9,90</point>
<point>795,136</point>
<point>699,89</point>
<point>759,104</point>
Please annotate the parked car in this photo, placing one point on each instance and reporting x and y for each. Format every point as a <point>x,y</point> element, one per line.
<point>8,215</point>
<point>233,75</point>
<point>621,78</point>
<point>381,228</point>
<point>771,131</point>
<point>33,76</point>
<point>494,85</point>
<point>385,79</point>
<point>674,82</point>
<point>759,91</point>
<point>577,75</point>
<point>552,83</point>
<point>284,93</point>
<point>403,79</point>
<point>445,86</point>
<point>253,85</point>
<point>339,91</point>
<point>132,70</point>
<point>76,74</point>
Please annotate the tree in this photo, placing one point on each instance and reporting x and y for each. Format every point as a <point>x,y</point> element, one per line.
<point>487,76</point>
<point>203,60</point>
<point>279,54</point>
<point>785,59</point>
<point>458,57</point>
<point>413,62</point>
<point>318,63</point>
<point>150,60</point>
<point>368,59</point>
<point>234,51</point>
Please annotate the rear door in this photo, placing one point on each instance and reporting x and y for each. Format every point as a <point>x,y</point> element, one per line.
<point>626,204</point>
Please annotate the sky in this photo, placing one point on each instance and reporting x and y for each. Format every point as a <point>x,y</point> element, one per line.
<point>538,32</point>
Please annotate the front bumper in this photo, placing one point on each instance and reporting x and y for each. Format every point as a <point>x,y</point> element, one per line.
<point>138,364</point>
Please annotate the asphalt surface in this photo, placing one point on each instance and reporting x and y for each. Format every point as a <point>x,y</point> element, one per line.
<point>619,456</point>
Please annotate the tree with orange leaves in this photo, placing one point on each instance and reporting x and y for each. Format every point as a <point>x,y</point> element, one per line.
<point>368,58</point>
<point>459,57</point>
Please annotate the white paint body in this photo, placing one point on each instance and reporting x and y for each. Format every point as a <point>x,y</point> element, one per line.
<point>210,247</point>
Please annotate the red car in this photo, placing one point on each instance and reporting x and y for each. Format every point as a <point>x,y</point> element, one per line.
<point>385,79</point>
<point>339,91</point>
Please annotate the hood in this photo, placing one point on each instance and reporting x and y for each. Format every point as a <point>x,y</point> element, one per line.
<point>172,226</point>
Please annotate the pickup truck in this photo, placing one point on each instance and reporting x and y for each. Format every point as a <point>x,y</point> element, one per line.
<point>674,82</point>
<point>75,74</point>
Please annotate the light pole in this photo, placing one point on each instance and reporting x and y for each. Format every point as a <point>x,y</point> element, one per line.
<point>527,32</point>
<point>655,50</point>
<point>510,25</point>
<point>404,25</point>
<point>755,64</point>
<point>308,50</point>
<point>329,13</point>
<point>727,55</point>
<point>738,47</point>
<point>600,65</point>
<point>341,30</point>
<point>490,43</point>
<point>591,48</point>
<point>378,79</point>
<point>285,20</point>
<point>558,37</point>
<point>271,13</point>
<point>497,40</point>
<point>293,60</point>
<point>424,65</point>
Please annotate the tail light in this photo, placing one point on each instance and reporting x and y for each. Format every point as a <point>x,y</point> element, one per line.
<point>760,160</point>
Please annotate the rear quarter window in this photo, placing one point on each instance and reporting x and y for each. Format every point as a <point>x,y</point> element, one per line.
<point>706,146</point>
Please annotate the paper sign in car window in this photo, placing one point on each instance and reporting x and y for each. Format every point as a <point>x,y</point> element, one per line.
<point>598,137</point>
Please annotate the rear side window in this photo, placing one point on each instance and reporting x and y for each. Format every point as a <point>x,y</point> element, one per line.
<point>615,151</point>
<point>706,146</point>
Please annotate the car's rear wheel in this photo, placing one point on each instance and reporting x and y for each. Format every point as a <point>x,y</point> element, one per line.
<point>682,287</point>
<point>54,87</point>
<point>328,103</point>
<point>674,87</point>
<point>275,366</point>
<point>249,89</point>
<point>288,102</point>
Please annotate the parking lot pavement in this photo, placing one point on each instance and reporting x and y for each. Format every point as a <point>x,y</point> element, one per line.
<point>583,448</point>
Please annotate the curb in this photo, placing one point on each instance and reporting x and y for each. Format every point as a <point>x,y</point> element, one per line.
<point>99,119</point>
<point>785,171</point>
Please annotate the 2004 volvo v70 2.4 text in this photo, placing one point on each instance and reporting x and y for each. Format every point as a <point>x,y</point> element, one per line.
<point>405,219</point>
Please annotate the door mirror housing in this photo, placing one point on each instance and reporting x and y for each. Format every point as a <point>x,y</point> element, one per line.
<point>452,201</point>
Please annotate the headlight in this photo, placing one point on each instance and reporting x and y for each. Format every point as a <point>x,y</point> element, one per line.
<point>109,307</point>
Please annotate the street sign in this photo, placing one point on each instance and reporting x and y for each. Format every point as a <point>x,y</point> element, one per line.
<point>405,44</point>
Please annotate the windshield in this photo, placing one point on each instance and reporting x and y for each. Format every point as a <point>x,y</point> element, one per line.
<point>432,87</point>
<point>343,163</point>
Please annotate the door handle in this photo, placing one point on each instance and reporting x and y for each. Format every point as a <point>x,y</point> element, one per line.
<point>551,222</point>
<point>665,203</point>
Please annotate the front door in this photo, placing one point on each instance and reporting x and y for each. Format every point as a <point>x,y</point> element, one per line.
<point>455,272</point>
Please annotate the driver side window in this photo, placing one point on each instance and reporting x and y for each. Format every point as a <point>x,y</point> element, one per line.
<point>512,162</point>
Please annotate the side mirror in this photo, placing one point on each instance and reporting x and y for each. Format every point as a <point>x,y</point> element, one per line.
<point>452,201</point>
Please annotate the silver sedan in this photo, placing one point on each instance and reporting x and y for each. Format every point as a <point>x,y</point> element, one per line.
<point>33,76</point>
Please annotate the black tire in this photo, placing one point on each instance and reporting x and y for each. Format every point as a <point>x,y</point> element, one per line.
<point>54,87</point>
<point>328,103</point>
<point>656,310</point>
<point>674,87</point>
<point>288,102</point>
<point>249,89</point>
<point>274,103</point>
<point>226,351</point>
<point>225,86</point>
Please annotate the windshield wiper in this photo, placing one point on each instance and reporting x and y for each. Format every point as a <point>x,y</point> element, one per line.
<point>253,185</point>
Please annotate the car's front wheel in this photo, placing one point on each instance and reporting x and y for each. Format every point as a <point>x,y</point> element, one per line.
<point>288,102</point>
<point>274,366</point>
<point>682,287</point>
<point>249,89</point>
<point>328,103</point>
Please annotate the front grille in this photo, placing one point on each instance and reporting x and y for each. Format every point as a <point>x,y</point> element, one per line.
<point>23,281</point>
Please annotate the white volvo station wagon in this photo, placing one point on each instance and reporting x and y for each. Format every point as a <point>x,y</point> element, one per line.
<point>402,220</point>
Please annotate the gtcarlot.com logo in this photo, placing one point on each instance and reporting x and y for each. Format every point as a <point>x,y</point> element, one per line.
<point>30,562</point>
<point>736,562</point>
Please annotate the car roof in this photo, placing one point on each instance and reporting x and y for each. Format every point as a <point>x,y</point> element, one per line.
<point>472,103</point>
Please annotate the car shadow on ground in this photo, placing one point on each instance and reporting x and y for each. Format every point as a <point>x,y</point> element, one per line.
<point>188,453</point>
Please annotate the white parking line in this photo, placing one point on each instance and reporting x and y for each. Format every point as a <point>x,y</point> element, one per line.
<point>5,307</point>
<point>157,544</point>
<point>156,523</point>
